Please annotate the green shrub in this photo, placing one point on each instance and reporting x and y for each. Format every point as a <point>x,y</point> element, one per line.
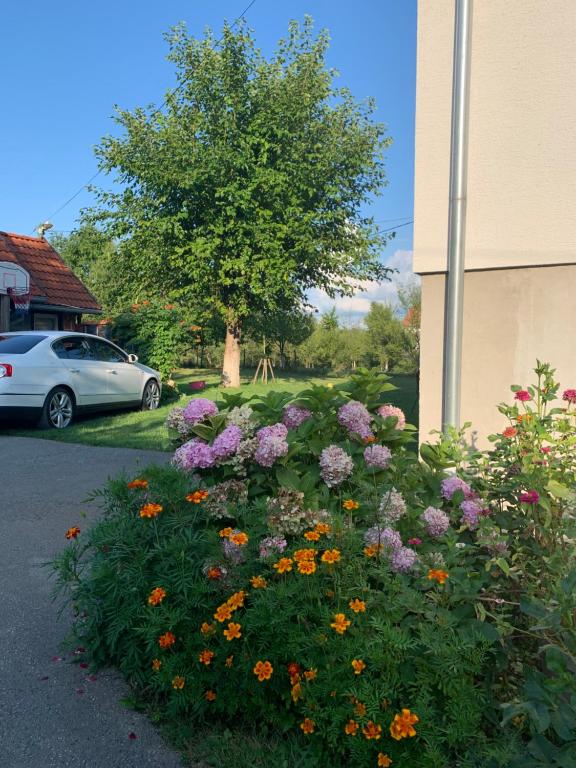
<point>372,607</point>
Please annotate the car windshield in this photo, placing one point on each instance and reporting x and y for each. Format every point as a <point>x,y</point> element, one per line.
<point>19,344</point>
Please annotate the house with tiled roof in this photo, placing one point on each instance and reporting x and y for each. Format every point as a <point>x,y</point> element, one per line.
<point>37,290</point>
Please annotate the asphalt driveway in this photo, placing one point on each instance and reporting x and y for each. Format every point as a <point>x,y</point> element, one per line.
<point>53,712</point>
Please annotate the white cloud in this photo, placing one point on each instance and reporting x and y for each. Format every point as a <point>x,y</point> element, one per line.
<point>353,308</point>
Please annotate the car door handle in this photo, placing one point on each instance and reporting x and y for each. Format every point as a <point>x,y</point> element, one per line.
<point>111,370</point>
<point>74,370</point>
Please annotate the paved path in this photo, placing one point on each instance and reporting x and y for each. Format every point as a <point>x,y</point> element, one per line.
<point>52,714</point>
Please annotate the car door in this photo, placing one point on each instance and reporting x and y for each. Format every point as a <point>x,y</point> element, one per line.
<point>124,378</point>
<point>87,376</point>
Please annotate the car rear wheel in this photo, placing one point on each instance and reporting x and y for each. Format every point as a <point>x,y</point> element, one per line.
<point>58,411</point>
<point>151,396</point>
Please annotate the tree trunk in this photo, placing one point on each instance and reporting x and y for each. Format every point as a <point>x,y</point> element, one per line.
<point>231,365</point>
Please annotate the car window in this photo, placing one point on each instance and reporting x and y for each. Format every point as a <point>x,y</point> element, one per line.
<point>19,345</point>
<point>71,348</point>
<point>105,352</point>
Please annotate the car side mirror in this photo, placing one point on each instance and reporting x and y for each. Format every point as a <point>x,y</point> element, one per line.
<point>132,358</point>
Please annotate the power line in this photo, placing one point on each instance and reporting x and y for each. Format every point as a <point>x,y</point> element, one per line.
<point>391,229</point>
<point>156,111</point>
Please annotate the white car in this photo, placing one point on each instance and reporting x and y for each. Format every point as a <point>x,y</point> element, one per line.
<point>53,375</point>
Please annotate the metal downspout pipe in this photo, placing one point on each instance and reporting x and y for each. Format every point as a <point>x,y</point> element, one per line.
<point>454,294</point>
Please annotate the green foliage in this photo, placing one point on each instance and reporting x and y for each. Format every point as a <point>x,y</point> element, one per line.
<point>476,635</point>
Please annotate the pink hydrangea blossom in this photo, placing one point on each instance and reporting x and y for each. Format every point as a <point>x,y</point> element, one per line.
<point>199,409</point>
<point>382,538</point>
<point>392,507</point>
<point>272,444</point>
<point>472,511</point>
<point>194,454</point>
<point>403,559</point>
<point>377,456</point>
<point>272,545</point>
<point>233,552</point>
<point>294,415</point>
<point>452,484</point>
<point>437,522</point>
<point>335,465</point>
<point>523,395</point>
<point>355,417</point>
<point>227,442</point>
<point>386,411</point>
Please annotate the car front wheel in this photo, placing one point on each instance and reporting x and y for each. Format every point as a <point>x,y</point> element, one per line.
<point>151,396</point>
<point>58,411</point>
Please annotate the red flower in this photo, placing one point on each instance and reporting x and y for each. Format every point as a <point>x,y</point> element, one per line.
<point>510,432</point>
<point>530,497</point>
<point>569,395</point>
<point>523,395</point>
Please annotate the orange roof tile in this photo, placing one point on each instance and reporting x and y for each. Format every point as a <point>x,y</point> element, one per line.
<point>50,278</point>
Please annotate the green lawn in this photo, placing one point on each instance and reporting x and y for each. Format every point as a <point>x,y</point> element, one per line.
<point>136,429</point>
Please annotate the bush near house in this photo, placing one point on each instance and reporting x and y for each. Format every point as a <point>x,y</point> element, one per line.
<point>300,569</point>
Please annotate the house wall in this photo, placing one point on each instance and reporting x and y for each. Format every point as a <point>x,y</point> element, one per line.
<point>520,245</point>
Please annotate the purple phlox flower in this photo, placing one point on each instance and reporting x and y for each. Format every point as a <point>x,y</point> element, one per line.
<point>386,539</point>
<point>198,409</point>
<point>272,444</point>
<point>194,454</point>
<point>452,484</point>
<point>335,465</point>
<point>386,411</point>
<point>377,456</point>
<point>403,559</point>
<point>530,497</point>
<point>272,545</point>
<point>437,522</point>
<point>294,415</point>
<point>355,417</point>
<point>473,509</point>
<point>392,507</point>
<point>227,442</point>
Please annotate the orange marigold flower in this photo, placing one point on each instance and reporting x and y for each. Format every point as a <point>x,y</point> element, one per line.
<point>312,535</point>
<point>206,657</point>
<point>156,596</point>
<point>371,551</point>
<point>166,640</point>
<point>229,661</point>
<point>306,567</point>
<point>258,582</point>
<point>293,668</point>
<point>225,532</point>
<point>263,670</point>
<point>307,725</point>
<point>360,709</point>
<point>223,613</point>
<point>214,573</point>
<point>436,574</point>
<point>322,528</point>
<point>207,629</point>
<point>304,554</point>
<point>150,510</point>
<point>197,497</point>
<point>210,696</point>
<point>233,631</point>
<point>372,730</point>
<point>510,432</point>
<point>383,760</point>
<point>403,724</point>
<point>358,665</point>
<point>358,606</point>
<point>331,556</point>
<point>296,692</point>
<point>350,504</point>
<point>240,539</point>
<point>351,727</point>
<point>138,483</point>
<point>156,664</point>
<point>236,600</point>
<point>340,623</point>
<point>178,682</point>
<point>310,674</point>
<point>72,533</point>
<point>283,565</point>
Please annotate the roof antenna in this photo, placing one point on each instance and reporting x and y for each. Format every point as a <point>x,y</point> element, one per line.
<point>43,228</point>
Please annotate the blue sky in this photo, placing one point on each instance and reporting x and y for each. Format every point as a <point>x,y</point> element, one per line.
<point>64,65</point>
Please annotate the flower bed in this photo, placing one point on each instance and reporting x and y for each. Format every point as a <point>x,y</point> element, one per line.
<point>299,567</point>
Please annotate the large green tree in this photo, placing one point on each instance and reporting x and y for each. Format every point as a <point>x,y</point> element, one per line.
<point>247,190</point>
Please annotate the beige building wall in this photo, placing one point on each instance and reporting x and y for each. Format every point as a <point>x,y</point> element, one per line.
<point>521,198</point>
